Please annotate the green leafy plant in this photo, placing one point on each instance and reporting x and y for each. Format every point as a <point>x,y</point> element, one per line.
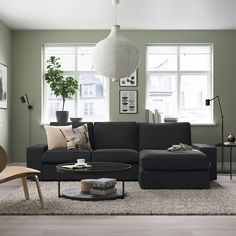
<point>60,85</point>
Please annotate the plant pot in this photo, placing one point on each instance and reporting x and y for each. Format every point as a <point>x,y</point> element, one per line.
<point>62,116</point>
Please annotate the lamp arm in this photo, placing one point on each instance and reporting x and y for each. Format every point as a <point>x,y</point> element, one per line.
<point>30,107</point>
<point>220,106</point>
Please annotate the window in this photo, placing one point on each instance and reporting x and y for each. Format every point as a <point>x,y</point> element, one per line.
<point>179,79</point>
<point>91,101</point>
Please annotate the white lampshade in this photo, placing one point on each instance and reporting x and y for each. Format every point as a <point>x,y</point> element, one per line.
<point>115,57</point>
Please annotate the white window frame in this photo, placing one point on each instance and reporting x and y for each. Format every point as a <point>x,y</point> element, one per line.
<point>75,74</point>
<point>178,74</point>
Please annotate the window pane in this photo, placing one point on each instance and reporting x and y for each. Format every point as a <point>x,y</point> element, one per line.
<point>162,82</point>
<point>162,62</point>
<point>162,94</point>
<point>193,92</point>
<point>66,55</point>
<point>195,58</point>
<point>84,58</point>
<point>194,62</point>
<point>93,103</point>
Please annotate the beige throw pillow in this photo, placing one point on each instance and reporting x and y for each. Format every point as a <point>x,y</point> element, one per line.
<point>77,137</point>
<point>54,136</point>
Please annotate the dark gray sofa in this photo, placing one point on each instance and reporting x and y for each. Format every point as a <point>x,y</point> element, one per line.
<point>144,147</point>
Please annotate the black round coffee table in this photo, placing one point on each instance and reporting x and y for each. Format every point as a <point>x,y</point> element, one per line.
<point>98,170</point>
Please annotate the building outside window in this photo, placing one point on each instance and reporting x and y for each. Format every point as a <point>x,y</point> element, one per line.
<point>92,100</point>
<point>179,79</point>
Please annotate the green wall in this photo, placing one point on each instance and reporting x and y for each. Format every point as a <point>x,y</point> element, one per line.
<point>5,114</point>
<point>27,78</point>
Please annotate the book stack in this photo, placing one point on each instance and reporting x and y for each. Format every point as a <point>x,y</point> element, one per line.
<point>103,186</point>
<point>170,119</point>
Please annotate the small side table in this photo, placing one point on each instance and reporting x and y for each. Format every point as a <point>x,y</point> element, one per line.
<point>230,146</point>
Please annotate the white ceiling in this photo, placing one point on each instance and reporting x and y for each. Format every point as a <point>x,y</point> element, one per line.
<point>132,14</point>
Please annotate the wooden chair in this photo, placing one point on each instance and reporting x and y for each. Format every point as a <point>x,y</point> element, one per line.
<point>8,173</point>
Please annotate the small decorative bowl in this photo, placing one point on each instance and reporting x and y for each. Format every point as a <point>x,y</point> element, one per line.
<point>76,119</point>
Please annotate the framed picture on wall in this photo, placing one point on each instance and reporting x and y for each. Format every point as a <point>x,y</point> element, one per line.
<point>128,101</point>
<point>131,81</point>
<point>3,86</point>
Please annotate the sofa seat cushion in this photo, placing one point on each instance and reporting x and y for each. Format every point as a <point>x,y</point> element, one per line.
<point>115,155</point>
<point>58,156</point>
<point>181,160</point>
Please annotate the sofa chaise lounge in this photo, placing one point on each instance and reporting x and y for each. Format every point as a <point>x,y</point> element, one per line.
<point>142,145</point>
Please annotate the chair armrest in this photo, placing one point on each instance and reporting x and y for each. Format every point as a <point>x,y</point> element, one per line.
<point>34,156</point>
<point>211,152</point>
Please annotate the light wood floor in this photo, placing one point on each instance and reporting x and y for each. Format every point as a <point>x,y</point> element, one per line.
<point>117,225</point>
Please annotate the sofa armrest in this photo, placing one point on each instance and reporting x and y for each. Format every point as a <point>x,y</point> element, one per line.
<point>211,152</point>
<point>34,157</point>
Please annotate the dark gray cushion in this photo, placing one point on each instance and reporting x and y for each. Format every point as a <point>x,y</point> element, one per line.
<point>115,155</point>
<point>58,156</point>
<point>181,160</point>
<point>164,135</point>
<point>115,135</point>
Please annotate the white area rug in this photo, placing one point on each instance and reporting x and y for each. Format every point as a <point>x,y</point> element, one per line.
<point>214,201</point>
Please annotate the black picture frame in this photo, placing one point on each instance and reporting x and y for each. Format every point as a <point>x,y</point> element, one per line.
<point>3,86</point>
<point>128,101</point>
<point>130,81</point>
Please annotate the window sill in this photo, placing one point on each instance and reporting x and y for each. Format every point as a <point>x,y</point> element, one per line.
<point>205,125</point>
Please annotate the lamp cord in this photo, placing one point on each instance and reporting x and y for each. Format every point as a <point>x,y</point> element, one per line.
<point>115,15</point>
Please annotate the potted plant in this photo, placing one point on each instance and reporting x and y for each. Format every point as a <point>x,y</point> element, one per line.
<point>60,85</point>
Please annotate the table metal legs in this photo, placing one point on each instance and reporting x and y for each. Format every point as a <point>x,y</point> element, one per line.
<point>230,162</point>
<point>123,188</point>
<point>59,184</point>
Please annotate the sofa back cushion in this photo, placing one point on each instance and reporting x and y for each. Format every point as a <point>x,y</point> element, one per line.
<point>119,135</point>
<point>164,135</point>
<point>77,124</point>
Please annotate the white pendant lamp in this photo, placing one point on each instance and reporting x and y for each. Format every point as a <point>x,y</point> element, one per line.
<point>115,56</point>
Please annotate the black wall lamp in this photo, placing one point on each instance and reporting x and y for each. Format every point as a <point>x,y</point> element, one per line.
<point>208,101</point>
<point>25,99</point>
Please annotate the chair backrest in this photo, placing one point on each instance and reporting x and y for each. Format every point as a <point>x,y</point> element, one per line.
<point>3,159</point>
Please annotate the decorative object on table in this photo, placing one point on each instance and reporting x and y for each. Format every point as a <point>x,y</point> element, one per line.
<point>3,86</point>
<point>170,119</point>
<point>128,101</point>
<point>25,99</point>
<point>157,117</point>
<point>8,173</point>
<point>130,81</point>
<point>103,186</point>
<point>60,85</point>
<point>208,101</point>
<point>231,138</point>
<point>76,119</point>
<point>115,56</point>
<point>149,116</point>
<point>86,185</point>
<point>77,166</point>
